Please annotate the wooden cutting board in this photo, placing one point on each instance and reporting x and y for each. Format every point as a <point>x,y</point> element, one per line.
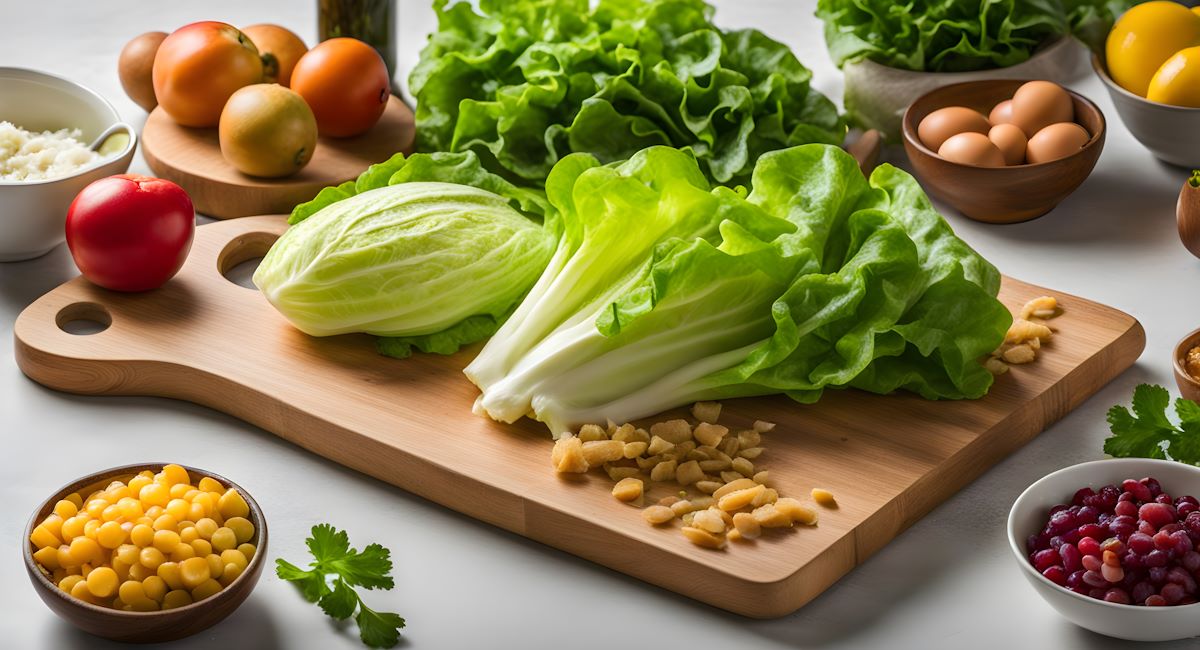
<point>889,460</point>
<point>191,158</point>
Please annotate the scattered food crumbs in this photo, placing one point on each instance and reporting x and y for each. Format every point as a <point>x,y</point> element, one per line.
<point>1192,363</point>
<point>733,499</point>
<point>1026,335</point>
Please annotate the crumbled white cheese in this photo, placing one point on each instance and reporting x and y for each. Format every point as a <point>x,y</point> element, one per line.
<point>31,156</point>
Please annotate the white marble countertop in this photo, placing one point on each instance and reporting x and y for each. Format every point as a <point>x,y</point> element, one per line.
<point>948,582</point>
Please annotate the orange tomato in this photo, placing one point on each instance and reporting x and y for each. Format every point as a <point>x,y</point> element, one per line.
<point>280,49</point>
<point>199,66</point>
<point>346,84</point>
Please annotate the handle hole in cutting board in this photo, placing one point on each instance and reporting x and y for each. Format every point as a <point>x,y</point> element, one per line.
<point>240,258</point>
<point>83,318</point>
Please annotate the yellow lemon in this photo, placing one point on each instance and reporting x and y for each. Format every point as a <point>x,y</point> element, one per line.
<point>1144,38</point>
<point>1177,82</point>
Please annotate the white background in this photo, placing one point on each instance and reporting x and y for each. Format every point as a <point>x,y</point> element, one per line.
<point>948,582</point>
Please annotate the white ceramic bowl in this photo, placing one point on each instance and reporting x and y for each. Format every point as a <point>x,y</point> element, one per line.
<point>1171,133</point>
<point>1028,515</point>
<point>33,213</point>
<point>879,95</point>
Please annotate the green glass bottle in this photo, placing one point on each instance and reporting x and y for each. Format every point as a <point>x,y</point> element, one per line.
<point>370,21</point>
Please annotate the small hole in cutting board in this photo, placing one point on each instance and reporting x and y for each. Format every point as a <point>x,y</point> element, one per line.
<point>83,318</point>
<point>240,258</point>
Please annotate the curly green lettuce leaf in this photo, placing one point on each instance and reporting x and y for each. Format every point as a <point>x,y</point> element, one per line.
<point>524,83</point>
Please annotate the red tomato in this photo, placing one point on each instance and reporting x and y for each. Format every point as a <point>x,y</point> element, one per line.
<point>345,83</point>
<point>130,232</point>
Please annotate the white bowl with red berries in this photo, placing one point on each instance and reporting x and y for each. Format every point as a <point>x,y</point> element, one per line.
<point>1114,546</point>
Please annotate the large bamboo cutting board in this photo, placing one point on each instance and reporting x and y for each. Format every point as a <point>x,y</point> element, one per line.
<point>889,460</point>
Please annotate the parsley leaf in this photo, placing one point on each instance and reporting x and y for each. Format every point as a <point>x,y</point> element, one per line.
<point>369,568</point>
<point>1147,432</point>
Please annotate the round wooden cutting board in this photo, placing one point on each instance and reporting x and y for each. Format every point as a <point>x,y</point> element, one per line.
<point>192,158</point>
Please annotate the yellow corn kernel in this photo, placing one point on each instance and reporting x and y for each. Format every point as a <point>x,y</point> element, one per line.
<point>230,573</point>
<point>203,547</point>
<point>248,550</point>
<point>65,509</point>
<point>166,540</point>
<point>824,497</point>
<point>206,527</point>
<point>170,573</point>
<point>210,484</point>
<point>144,521</point>
<point>142,535</point>
<point>186,523</point>
<point>182,552</point>
<point>178,508</point>
<point>155,494</point>
<point>139,572</point>
<point>176,598</point>
<point>195,572</point>
<point>233,556</point>
<point>154,512</point>
<point>175,474</point>
<point>151,557</point>
<point>155,588</point>
<point>128,553</point>
<point>65,559</point>
<point>110,535</point>
<point>102,582</point>
<point>84,549</point>
<point>85,569</point>
<point>47,557</point>
<point>166,522</point>
<point>189,534</point>
<point>111,513</point>
<point>144,605</point>
<point>95,507</point>
<point>178,490</point>
<point>80,590</point>
<point>92,527</point>
<point>122,569</point>
<point>68,583</point>
<point>73,527</point>
<point>53,523</point>
<point>224,539</point>
<point>196,511</point>
<point>138,482</point>
<point>43,538</point>
<point>131,591</point>
<point>231,504</point>
<point>130,508</point>
<point>117,491</point>
<point>242,529</point>
<point>75,499</point>
<point>206,589</point>
<point>215,565</point>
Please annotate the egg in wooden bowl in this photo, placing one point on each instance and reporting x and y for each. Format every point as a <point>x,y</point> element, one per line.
<point>146,553</point>
<point>1003,151</point>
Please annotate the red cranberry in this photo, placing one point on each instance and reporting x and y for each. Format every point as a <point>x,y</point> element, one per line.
<point>1163,541</point>
<point>1187,498</point>
<point>1157,575</point>
<point>1092,578</point>
<point>1172,592</point>
<point>1164,499</point>
<point>1089,515</point>
<point>1062,521</point>
<point>1141,543</point>
<point>1137,489</point>
<point>1132,560</point>
<point>1062,507</point>
<point>1190,561</point>
<point>1183,543</point>
<point>1126,508</point>
<point>1123,526</point>
<point>1158,514</point>
<point>1081,494</point>
<point>1186,508</point>
<point>1095,531</point>
<point>1155,601</point>
<point>1141,591</point>
<point>1056,574</point>
<point>1156,559</point>
<point>1153,484</point>
<point>1117,595</point>
<point>1072,559</point>
<point>1097,592</point>
<point>1146,528</point>
<point>1090,562</point>
<point>1075,579</point>
<point>1043,560</point>
<point>1089,546</point>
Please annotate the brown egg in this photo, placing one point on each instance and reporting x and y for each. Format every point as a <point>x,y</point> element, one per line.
<point>1011,141</point>
<point>1039,104</point>
<point>1056,141</point>
<point>939,125</point>
<point>1001,113</point>
<point>971,149</point>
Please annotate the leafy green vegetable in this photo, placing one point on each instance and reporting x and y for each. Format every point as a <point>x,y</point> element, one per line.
<point>959,35</point>
<point>665,291</point>
<point>369,568</point>
<point>1147,432</point>
<point>431,252</point>
<point>526,82</point>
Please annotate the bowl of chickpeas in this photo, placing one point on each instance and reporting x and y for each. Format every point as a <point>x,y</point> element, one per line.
<point>146,553</point>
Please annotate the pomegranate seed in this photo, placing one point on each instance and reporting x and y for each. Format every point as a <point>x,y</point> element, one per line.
<point>1141,543</point>
<point>1062,507</point>
<point>1164,499</point>
<point>1183,543</point>
<point>1171,527</point>
<point>1123,526</point>
<point>1088,546</point>
<point>1157,575</point>
<point>1125,496</point>
<point>1075,579</point>
<point>1155,601</point>
<point>1126,509</point>
<point>1072,558</point>
<point>1061,522</point>
<point>1043,560</point>
<point>1156,559</point>
<point>1185,509</point>
<point>1087,515</point>
<point>1187,498</point>
<point>1097,592</point>
<point>1190,560</point>
<point>1153,484</point>
<point>1163,541</point>
<point>1093,578</point>
<point>1172,593</point>
<point>1137,489</point>
<point>1117,595</point>
<point>1081,494</point>
<point>1112,573</point>
<point>1095,531</point>
<point>1132,560</point>
<point>1146,528</point>
<point>1141,591</point>
<point>1157,514</point>
<point>1091,563</point>
<point>1057,575</point>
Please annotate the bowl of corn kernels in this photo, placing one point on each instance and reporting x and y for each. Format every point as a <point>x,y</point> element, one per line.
<point>146,553</point>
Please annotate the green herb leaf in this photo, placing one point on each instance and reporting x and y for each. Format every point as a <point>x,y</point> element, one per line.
<point>378,629</point>
<point>370,568</point>
<point>1147,432</point>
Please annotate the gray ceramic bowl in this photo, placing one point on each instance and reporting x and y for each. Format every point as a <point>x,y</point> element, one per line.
<point>1132,622</point>
<point>878,95</point>
<point>1171,133</point>
<point>34,212</point>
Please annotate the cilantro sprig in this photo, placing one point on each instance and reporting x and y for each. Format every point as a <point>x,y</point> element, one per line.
<point>369,568</point>
<point>1148,432</point>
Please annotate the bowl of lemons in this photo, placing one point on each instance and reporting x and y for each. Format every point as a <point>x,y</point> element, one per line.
<point>1151,68</point>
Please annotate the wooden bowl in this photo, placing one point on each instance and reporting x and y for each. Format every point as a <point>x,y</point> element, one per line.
<point>144,627</point>
<point>999,194</point>
<point>1188,386</point>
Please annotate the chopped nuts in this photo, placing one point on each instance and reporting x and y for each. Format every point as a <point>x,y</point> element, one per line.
<point>995,366</point>
<point>656,515</point>
<point>734,536</point>
<point>707,487</point>
<point>664,471</point>
<point>647,463</point>
<point>659,446</point>
<point>747,526</point>
<point>701,503</point>
<point>598,452</point>
<point>701,537</point>
<point>743,466</point>
<point>567,455</point>
<point>1022,330</point>
<point>768,495</point>
<point>706,411</point>
<point>709,434</point>
<point>1025,337</point>
<point>730,476</point>
<point>617,473</point>
<point>824,497</point>
<point>627,433</point>
<point>668,500</point>
<point>681,508</point>
<point>729,446</point>
<point>709,520</point>
<point>733,486</point>
<point>592,432</point>
<point>768,516</point>
<point>749,438</point>
<point>763,477</point>
<point>714,465</point>
<point>634,449</point>
<point>796,511</point>
<point>628,489</point>
<point>1040,307</point>
<point>673,431</point>
<point>689,473</point>
<point>763,427</point>
<point>750,453</point>
<point>1019,354</point>
<point>739,499</point>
